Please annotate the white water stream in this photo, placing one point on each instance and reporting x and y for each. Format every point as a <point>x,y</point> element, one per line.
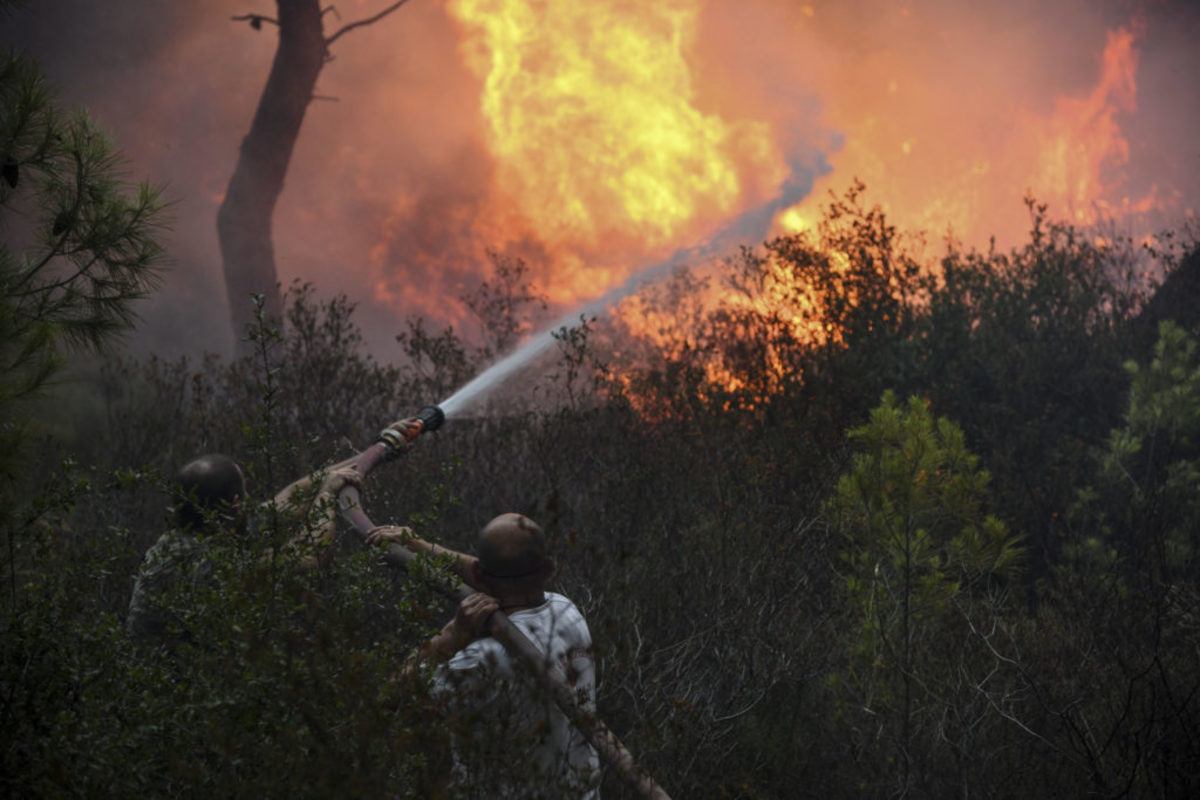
<point>751,227</point>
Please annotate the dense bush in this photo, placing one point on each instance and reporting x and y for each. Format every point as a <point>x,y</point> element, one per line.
<point>794,588</point>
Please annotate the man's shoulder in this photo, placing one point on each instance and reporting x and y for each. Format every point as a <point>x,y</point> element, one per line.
<point>559,599</point>
<point>175,541</point>
<point>172,545</point>
<point>176,552</point>
<point>562,610</point>
<point>556,619</point>
<point>555,625</point>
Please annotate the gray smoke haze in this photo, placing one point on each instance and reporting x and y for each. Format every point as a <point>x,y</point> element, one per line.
<point>392,164</point>
<point>390,181</point>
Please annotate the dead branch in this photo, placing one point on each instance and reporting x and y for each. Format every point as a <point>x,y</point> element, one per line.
<point>363,22</point>
<point>256,20</point>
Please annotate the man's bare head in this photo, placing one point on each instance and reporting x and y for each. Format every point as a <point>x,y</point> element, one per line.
<point>207,484</point>
<point>513,547</point>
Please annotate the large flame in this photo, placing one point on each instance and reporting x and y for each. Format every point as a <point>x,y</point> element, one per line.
<point>589,138</point>
<point>599,146</point>
<point>1081,149</point>
<point>603,152</point>
<point>592,139</point>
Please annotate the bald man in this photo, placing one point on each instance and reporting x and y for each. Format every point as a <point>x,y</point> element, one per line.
<point>210,491</point>
<point>511,741</point>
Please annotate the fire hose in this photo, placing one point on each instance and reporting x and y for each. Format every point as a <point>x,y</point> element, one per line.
<point>550,678</point>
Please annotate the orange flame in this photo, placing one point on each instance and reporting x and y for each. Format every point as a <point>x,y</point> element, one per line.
<point>1070,158</point>
<point>1082,145</point>
<point>612,137</point>
<point>964,168</point>
<point>598,144</point>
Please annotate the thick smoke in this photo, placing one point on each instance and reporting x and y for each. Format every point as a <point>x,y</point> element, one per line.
<point>951,111</point>
<point>391,196</point>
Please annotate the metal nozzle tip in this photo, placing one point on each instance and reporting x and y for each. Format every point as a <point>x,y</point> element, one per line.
<point>431,417</point>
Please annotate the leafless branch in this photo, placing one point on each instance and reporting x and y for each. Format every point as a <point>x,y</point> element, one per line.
<point>747,709</point>
<point>256,20</point>
<point>364,22</point>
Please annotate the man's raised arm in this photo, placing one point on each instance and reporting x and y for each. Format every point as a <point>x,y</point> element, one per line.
<point>464,565</point>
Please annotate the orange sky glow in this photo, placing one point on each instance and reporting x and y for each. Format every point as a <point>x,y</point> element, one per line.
<point>594,139</point>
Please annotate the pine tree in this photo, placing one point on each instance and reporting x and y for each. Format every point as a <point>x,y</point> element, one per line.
<point>80,245</point>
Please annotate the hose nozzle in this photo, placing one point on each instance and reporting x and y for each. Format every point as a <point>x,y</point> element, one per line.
<point>429,418</point>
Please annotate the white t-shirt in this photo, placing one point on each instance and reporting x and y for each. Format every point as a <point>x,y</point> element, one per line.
<point>516,743</point>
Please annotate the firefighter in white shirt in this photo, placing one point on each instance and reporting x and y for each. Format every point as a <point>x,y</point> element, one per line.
<point>510,741</point>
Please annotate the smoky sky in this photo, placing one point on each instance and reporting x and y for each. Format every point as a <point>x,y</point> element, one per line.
<point>386,164</point>
<point>391,197</point>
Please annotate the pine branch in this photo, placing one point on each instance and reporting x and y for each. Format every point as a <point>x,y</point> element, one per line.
<point>364,22</point>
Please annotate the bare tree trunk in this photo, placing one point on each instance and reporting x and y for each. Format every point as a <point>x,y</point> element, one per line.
<point>244,219</point>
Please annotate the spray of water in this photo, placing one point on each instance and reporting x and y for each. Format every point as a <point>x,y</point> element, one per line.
<point>750,226</point>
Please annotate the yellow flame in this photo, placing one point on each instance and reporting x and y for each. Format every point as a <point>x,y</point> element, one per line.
<point>592,122</point>
<point>792,221</point>
<point>599,145</point>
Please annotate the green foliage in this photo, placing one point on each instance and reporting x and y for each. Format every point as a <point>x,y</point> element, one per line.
<point>780,596</point>
<point>922,562</point>
<point>80,244</point>
<point>1024,350</point>
<point>1122,605</point>
<point>272,678</point>
<point>79,247</point>
<point>277,688</point>
<point>912,501</point>
<point>1151,469</point>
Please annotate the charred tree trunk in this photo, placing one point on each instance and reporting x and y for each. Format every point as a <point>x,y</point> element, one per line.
<point>244,219</point>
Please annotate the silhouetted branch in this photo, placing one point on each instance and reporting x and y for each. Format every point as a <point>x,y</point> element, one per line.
<point>364,22</point>
<point>256,20</point>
